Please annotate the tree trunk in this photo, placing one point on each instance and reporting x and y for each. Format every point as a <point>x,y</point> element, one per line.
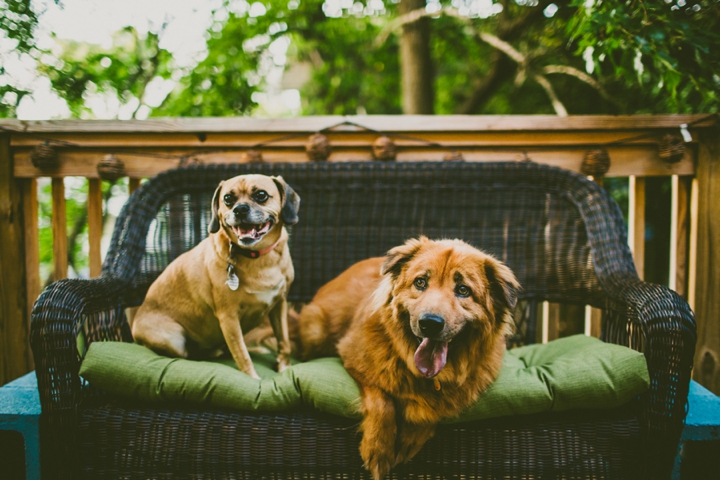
<point>415,62</point>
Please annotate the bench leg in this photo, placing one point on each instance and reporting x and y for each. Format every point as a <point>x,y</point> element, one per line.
<point>29,429</point>
<point>32,451</point>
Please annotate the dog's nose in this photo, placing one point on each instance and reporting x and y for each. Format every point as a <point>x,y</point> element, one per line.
<point>241,209</point>
<point>431,325</point>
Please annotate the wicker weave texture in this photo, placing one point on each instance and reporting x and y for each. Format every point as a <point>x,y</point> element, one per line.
<point>350,212</point>
<point>563,236</point>
<point>154,443</point>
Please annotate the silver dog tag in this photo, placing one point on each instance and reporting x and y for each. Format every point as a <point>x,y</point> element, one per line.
<point>233,282</point>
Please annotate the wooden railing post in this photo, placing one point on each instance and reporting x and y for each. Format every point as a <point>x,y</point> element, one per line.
<point>32,240</point>
<point>679,232</point>
<point>95,225</point>
<point>133,184</point>
<point>59,228</point>
<point>707,294</point>
<point>636,222</point>
<point>15,356</point>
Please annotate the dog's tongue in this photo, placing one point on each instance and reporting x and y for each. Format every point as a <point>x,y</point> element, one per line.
<point>431,356</point>
<point>253,231</point>
<point>250,232</point>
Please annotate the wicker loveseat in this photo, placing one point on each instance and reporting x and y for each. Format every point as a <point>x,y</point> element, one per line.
<point>562,235</point>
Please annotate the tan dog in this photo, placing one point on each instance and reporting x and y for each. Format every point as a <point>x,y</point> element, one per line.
<point>231,281</point>
<point>423,332</point>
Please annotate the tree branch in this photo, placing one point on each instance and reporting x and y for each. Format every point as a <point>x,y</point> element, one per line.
<point>582,76</point>
<point>556,103</point>
<point>503,46</point>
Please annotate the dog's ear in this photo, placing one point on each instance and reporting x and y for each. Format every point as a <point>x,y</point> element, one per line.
<point>503,287</point>
<point>214,226</point>
<point>290,201</point>
<point>398,256</point>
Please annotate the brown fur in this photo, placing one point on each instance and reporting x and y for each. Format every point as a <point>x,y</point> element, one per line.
<point>369,315</point>
<point>189,311</point>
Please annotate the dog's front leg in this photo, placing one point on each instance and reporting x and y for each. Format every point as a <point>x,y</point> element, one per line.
<point>230,326</point>
<point>379,429</point>
<point>278,321</point>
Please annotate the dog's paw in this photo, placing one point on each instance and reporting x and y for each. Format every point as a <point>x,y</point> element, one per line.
<point>377,461</point>
<point>409,447</point>
<point>411,439</point>
<point>283,364</point>
<point>407,452</point>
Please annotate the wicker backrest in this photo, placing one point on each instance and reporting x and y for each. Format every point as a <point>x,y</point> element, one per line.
<point>554,228</point>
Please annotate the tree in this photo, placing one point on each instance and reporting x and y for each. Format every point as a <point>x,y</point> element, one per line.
<point>449,56</point>
<point>416,61</point>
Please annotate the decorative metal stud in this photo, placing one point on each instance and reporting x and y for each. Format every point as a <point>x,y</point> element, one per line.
<point>453,156</point>
<point>111,168</point>
<point>44,157</point>
<point>596,163</point>
<point>383,148</point>
<point>252,156</point>
<point>671,148</point>
<point>318,147</point>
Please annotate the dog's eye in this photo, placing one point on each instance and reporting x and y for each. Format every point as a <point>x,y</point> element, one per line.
<point>261,196</point>
<point>420,283</point>
<point>229,199</point>
<point>462,291</point>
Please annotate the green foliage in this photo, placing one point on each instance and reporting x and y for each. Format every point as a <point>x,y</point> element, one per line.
<point>658,56</point>
<point>462,56</point>
<point>17,22</point>
<point>222,84</point>
<point>349,74</point>
<point>123,70</point>
<point>666,54</point>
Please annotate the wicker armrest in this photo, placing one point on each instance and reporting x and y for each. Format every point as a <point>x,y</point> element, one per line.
<point>67,309</point>
<point>659,322</point>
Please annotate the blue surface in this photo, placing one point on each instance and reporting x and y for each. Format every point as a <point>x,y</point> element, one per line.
<point>20,411</point>
<point>702,422</point>
<point>703,418</point>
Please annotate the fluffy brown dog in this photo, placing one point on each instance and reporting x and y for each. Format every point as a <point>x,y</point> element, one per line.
<point>231,281</point>
<point>423,332</point>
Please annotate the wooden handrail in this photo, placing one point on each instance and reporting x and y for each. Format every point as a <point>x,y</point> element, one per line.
<point>631,141</point>
<point>389,123</point>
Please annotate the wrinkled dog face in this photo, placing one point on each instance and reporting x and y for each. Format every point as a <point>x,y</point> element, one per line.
<point>248,207</point>
<point>440,289</point>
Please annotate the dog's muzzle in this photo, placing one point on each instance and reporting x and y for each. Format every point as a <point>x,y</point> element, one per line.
<point>431,354</point>
<point>249,225</point>
<point>431,325</point>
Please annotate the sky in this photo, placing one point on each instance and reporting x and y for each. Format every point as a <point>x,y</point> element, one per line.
<point>94,21</point>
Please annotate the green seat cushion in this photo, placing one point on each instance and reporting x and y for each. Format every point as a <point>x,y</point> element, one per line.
<point>569,373</point>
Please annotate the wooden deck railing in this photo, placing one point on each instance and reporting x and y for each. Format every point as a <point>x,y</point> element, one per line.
<point>149,147</point>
